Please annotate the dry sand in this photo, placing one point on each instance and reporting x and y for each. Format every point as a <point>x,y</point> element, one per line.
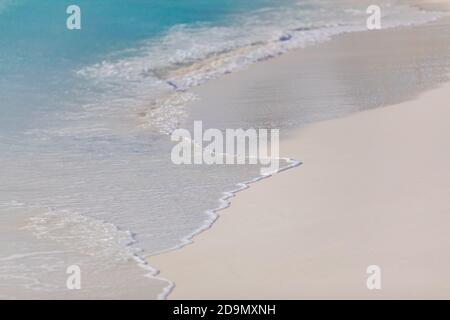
<point>432,4</point>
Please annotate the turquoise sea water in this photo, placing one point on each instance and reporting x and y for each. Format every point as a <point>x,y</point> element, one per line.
<point>38,54</point>
<point>86,176</point>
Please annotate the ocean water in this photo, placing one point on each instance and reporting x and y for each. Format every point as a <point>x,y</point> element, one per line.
<point>86,176</point>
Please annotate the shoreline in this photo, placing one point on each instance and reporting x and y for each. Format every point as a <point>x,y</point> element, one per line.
<point>160,259</point>
<point>225,203</point>
<point>219,274</point>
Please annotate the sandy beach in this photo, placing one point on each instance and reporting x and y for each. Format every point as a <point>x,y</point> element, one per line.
<point>135,136</point>
<point>372,190</point>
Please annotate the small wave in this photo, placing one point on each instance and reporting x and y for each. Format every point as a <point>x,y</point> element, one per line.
<point>83,234</point>
<point>189,55</point>
<point>87,236</point>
